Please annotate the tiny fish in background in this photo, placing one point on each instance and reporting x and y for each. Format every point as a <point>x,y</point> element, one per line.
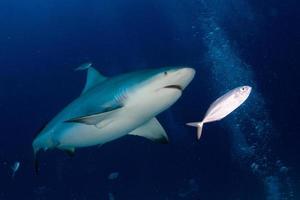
<point>223,106</point>
<point>15,167</point>
<point>84,66</point>
<point>111,196</point>
<point>113,176</point>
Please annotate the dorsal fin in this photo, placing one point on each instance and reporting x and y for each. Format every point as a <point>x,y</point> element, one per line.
<point>93,76</point>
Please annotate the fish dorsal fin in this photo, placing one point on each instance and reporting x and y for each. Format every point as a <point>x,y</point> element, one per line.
<point>152,130</point>
<point>93,76</point>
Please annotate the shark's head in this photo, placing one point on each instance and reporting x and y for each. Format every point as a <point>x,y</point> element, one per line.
<point>160,88</point>
<point>171,78</point>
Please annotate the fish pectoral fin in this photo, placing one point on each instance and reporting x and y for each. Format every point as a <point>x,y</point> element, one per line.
<point>152,130</point>
<point>94,119</point>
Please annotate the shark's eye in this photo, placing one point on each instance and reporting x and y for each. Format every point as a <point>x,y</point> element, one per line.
<point>165,73</point>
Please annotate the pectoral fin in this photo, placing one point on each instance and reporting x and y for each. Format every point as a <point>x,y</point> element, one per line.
<point>152,130</point>
<point>94,119</point>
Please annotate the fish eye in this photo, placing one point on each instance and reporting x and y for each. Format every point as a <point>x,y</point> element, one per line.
<point>165,73</point>
<point>243,89</point>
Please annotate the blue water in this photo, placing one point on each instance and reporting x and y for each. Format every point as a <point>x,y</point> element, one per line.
<point>253,154</point>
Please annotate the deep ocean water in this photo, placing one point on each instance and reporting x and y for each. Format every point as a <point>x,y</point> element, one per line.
<point>253,154</point>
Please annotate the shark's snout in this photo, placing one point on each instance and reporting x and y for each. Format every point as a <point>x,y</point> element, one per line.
<point>187,70</point>
<point>185,76</point>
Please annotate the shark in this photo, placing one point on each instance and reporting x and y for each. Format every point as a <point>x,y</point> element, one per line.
<point>109,108</point>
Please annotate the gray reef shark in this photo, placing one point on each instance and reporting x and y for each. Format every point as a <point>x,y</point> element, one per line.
<point>110,108</point>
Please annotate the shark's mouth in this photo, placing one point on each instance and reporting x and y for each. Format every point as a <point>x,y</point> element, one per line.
<point>177,87</point>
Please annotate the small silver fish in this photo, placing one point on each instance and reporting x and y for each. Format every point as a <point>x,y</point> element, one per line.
<point>15,167</point>
<point>113,176</point>
<point>223,106</point>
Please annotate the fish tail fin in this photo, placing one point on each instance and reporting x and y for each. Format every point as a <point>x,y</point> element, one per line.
<point>199,126</point>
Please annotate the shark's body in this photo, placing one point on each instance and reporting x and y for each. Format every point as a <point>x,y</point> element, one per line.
<point>110,108</point>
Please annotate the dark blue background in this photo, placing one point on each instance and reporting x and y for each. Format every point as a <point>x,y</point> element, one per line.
<point>41,42</point>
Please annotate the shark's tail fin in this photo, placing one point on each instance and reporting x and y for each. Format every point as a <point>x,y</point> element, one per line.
<point>13,173</point>
<point>199,126</point>
<point>36,160</point>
